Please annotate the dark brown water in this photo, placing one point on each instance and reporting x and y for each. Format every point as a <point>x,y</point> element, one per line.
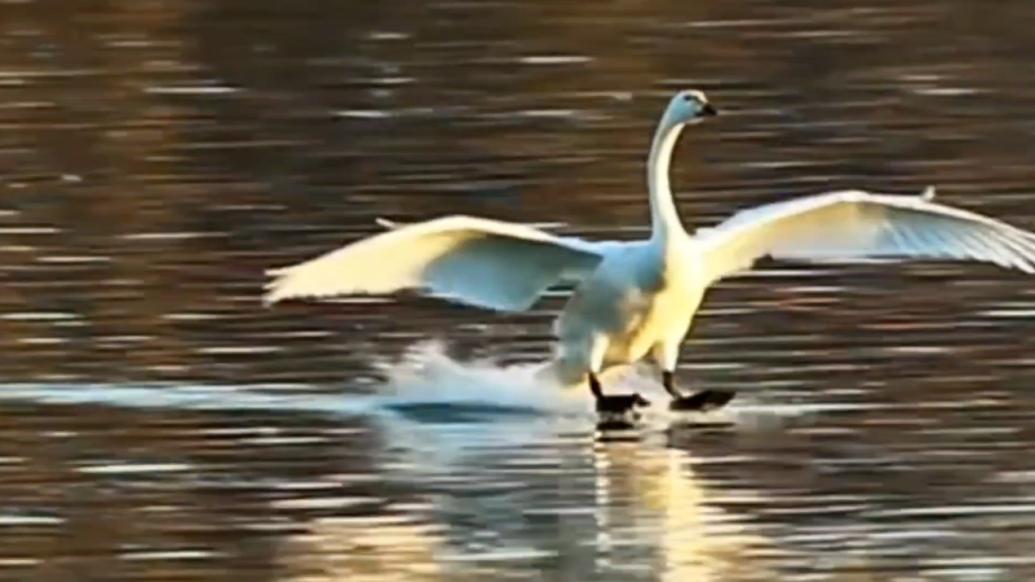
<point>157,424</point>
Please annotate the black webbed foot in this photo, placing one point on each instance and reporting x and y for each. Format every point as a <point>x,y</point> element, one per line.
<point>703,401</point>
<point>620,411</point>
<point>621,403</point>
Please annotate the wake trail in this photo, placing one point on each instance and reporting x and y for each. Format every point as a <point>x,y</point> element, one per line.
<point>423,375</point>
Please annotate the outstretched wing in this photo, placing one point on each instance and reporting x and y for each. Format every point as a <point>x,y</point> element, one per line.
<point>488,263</point>
<point>855,224</point>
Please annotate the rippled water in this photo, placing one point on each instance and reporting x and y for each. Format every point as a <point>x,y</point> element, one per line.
<point>157,423</point>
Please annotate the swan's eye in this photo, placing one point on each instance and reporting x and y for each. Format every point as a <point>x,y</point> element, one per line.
<point>693,100</point>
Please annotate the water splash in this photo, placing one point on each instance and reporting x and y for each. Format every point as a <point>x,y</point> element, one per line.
<point>427,374</point>
<point>429,385</point>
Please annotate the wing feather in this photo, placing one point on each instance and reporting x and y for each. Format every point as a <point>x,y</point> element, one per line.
<point>856,224</point>
<point>477,261</point>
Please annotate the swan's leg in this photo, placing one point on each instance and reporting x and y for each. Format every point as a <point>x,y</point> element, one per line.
<point>704,400</point>
<point>594,386</point>
<point>597,351</point>
<point>616,406</point>
<point>668,380</point>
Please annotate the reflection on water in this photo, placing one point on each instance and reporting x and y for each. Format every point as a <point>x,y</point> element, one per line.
<point>157,423</point>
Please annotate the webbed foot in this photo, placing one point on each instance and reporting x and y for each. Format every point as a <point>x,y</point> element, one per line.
<point>702,401</point>
<point>619,411</point>
<point>621,403</point>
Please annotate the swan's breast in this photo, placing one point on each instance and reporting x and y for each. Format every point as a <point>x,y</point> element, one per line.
<point>636,299</point>
<point>656,304</point>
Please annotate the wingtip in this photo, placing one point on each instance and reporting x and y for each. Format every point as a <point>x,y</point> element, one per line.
<point>272,288</point>
<point>928,193</point>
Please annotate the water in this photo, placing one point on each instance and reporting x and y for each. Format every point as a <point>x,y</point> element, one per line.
<point>158,423</point>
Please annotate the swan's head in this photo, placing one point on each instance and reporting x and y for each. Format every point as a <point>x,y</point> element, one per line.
<point>689,106</point>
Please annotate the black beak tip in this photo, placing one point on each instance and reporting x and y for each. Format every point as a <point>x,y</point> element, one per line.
<point>708,110</point>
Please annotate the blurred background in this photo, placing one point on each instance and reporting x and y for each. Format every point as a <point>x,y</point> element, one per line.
<point>157,423</point>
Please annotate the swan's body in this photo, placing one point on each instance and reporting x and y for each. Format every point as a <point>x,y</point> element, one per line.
<point>638,299</point>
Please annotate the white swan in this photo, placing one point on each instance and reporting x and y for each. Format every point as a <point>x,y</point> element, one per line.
<point>635,299</point>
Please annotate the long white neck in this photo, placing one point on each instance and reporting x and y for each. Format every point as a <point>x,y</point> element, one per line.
<point>664,218</point>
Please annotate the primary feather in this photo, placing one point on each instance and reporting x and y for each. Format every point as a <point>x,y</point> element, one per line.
<point>477,261</point>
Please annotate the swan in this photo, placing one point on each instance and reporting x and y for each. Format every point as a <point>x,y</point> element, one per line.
<point>637,299</point>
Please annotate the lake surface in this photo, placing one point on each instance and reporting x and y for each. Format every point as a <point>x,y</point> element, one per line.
<point>157,423</point>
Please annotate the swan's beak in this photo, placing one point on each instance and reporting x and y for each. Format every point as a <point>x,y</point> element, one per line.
<point>709,110</point>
